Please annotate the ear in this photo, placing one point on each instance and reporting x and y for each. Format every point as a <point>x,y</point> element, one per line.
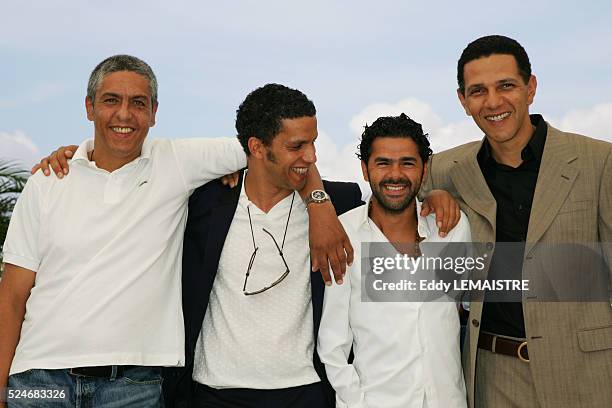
<point>463,102</point>
<point>153,113</point>
<point>532,85</point>
<point>256,147</point>
<point>364,171</point>
<point>89,108</point>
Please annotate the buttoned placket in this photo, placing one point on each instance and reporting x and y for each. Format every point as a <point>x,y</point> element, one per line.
<point>117,182</point>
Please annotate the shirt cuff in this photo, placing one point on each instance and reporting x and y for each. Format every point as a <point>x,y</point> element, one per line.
<point>21,261</point>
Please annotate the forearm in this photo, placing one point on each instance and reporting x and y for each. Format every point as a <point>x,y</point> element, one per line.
<point>11,319</point>
<point>15,288</point>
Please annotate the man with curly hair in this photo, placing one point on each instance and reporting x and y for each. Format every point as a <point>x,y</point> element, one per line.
<point>406,352</point>
<point>252,306</point>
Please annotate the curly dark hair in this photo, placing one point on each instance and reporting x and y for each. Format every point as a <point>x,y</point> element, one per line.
<point>394,126</point>
<point>262,111</point>
<point>489,45</point>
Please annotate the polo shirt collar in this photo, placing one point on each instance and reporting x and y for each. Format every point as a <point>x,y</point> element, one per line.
<point>82,153</point>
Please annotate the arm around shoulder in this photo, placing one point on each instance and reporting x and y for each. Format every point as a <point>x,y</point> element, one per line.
<point>201,160</point>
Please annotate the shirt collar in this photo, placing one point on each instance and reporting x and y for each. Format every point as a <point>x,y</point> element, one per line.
<point>366,222</point>
<point>82,152</point>
<point>534,148</point>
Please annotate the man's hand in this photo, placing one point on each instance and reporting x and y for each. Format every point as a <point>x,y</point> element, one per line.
<point>446,209</point>
<point>57,160</point>
<point>329,243</point>
<point>231,180</point>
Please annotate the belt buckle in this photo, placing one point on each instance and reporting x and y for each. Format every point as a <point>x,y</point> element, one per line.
<point>71,371</point>
<point>94,371</point>
<point>518,352</point>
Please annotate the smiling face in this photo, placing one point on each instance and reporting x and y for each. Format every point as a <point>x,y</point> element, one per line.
<point>498,99</point>
<point>395,171</point>
<point>122,113</point>
<point>291,154</point>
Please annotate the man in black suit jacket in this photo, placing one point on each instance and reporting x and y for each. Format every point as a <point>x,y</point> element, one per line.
<point>277,127</point>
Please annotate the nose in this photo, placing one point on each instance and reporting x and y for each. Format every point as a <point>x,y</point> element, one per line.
<point>493,99</point>
<point>123,112</point>
<point>310,154</point>
<point>395,171</point>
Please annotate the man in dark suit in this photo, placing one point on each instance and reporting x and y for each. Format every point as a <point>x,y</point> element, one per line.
<point>250,335</point>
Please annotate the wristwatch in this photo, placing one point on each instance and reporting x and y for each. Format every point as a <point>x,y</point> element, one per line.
<point>317,197</point>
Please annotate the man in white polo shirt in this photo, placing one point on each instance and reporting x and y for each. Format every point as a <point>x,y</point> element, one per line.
<point>96,256</point>
<point>406,353</point>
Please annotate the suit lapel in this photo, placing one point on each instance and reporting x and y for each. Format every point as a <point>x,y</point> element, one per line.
<point>555,180</point>
<point>472,187</point>
<point>221,220</point>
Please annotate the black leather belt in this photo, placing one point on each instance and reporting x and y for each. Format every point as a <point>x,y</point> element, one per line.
<point>504,345</point>
<point>99,371</point>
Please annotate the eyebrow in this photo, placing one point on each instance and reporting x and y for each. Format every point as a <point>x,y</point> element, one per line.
<point>300,139</point>
<point>387,159</point>
<point>115,95</point>
<point>501,81</point>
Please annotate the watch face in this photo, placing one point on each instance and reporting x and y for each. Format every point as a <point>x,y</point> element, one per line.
<point>318,195</point>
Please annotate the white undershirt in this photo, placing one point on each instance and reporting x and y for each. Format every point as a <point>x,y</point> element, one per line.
<point>406,353</point>
<point>107,250</point>
<point>262,341</point>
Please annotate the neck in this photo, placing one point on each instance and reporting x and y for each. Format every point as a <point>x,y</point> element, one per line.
<point>509,153</point>
<point>396,226</point>
<point>259,190</point>
<point>107,162</point>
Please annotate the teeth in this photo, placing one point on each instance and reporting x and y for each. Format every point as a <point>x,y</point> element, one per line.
<point>499,117</point>
<point>122,129</point>
<point>395,188</point>
<point>299,170</point>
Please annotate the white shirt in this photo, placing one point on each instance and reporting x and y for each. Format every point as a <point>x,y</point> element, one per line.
<point>405,352</point>
<point>262,341</point>
<point>107,250</point>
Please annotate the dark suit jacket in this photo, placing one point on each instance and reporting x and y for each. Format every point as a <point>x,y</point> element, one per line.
<point>211,210</point>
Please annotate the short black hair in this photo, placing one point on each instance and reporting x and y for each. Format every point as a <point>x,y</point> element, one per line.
<point>261,112</point>
<point>394,126</point>
<point>489,45</point>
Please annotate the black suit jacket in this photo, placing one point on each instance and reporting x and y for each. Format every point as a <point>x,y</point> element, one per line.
<point>211,210</point>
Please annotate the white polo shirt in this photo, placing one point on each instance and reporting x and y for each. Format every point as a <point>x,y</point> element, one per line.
<point>107,250</point>
<point>406,353</point>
